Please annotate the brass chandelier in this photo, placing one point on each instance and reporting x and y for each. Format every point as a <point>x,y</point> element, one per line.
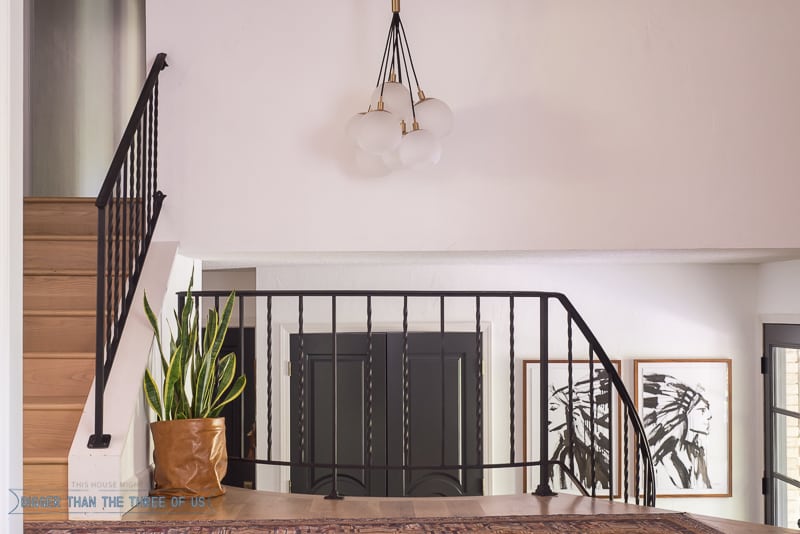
<point>395,132</point>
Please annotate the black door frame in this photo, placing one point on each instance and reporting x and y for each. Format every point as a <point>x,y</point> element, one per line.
<point>774,335</point>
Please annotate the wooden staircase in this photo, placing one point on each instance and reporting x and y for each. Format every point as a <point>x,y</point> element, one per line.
<point>60,257</point>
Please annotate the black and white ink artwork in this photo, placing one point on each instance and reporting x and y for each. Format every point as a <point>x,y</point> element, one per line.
<point>685,408</point>
<point>575,451</point>
<point>678,419</point>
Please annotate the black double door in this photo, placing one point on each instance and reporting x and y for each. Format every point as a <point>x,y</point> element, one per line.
<point>442,414</point>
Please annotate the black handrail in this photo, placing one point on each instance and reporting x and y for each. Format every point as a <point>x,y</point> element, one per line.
<point>128,206</point>
<point>642,458</point>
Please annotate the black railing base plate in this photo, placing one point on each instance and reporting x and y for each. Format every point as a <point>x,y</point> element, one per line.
<point>544,491</point>
<point>99,441</point>
<point>334,496</point>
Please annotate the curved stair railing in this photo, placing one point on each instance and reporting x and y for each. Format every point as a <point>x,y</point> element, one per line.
<point>592,470</point>
<point>128,206</point>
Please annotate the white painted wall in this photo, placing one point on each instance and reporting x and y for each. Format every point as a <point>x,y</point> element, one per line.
<point>86,70</point>
<point>779,292</point>
<point>11,170</point>
<point>622,124</point>
<point>230,279</point>
<point>636,311</point>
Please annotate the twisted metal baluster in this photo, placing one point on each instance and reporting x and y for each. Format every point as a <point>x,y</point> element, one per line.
<point>121,235</point>
<point>591,421</point>
<point>117,270</point>
<point>511,395</point>
<point>130,207</point>
<point>625,462</point>
<point>140,215</point>
<point>370,384</point>
<point>571,399</point>
<point>610,438</point>
<point>479,384</point>
<point>442,368</point>
<point>269,377</point>
<point>636,465</point>
<point>150,189</point>
<point>155,137</point>
<point>406,396</point>
<point>301,378</point>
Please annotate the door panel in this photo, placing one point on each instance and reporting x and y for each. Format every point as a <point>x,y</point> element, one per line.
<point>427,422</point>
<point>352,440</point>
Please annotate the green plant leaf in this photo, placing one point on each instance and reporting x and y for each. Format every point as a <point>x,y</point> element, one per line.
<point>227,371</point>
<point>151,394</point>
<point>236,390</point>
<point>171,379</point>
<point>151,317</point>
<point>222,327</point>
<point>211,329</point>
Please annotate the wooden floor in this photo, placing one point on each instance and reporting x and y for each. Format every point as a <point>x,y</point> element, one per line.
<point>249,504</point>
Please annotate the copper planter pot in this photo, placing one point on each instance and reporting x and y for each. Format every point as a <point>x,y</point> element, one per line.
<point>190,457</point>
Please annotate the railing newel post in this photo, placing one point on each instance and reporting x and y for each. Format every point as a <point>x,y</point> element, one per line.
<point>98,440</point>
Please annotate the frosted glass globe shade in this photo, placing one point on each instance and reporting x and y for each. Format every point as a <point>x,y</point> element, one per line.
<point>435,116</point>
<point>353,125</point>
<point>369,164</point>
<point>392,160</point>
<point>419,148</point>
<point>379,132</point>
<point>396,99</point>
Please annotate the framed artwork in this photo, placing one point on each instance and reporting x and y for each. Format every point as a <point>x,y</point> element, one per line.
<point>685,406</point>
<point>578,456</point>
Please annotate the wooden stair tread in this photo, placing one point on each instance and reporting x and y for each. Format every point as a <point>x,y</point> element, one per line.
<point>59,355</point>
<point>45,457</point>
<point>65,200</point>
<point>59,272</point>
<point>59,313</point>
<point>71,237</point>
<point>55,403</point>
<point>56,237</point>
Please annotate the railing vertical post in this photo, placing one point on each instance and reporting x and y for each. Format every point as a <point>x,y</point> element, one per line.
<point>301,383</point>
<point>98,440</point>
<point>243,372</point>
<point>269,378</point>
<point>511,365</point>
<point>443,384</point>
<point>334,494</point>
<point>370,385</point>
<point>543,490</point>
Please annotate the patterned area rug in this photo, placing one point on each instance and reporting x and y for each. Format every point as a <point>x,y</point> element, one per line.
<point>577,524</point>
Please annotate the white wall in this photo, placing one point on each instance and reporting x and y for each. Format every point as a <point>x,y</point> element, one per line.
<point>87,68</point>
<point>11,164</point>
<point>636,311</point>
<point>779,292</point>
<point>228,279</point>
<point>621,124</point>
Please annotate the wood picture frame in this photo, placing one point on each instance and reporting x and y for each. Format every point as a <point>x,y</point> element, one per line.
<point>685,405</point>
<point>558,381</point>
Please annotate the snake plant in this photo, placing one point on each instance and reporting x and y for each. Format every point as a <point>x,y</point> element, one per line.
<point>196,382</point>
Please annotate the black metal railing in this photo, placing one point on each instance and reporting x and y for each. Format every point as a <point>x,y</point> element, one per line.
<point>601,383</point>
<point>128,206</point>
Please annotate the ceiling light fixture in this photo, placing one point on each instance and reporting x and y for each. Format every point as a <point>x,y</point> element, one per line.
<point>395,132</point>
